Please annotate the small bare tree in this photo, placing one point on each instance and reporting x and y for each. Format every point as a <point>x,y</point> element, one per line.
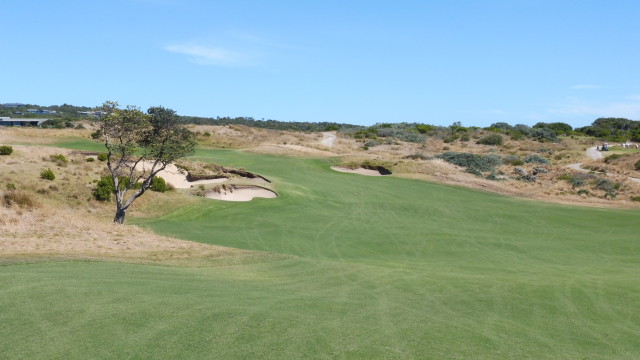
<point>139,146</point>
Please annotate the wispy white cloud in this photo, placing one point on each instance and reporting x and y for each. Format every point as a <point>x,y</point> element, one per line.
<point>586,86</point>
<point>210,55</point>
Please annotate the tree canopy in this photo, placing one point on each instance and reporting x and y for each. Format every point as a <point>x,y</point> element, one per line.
<point>139,146</point>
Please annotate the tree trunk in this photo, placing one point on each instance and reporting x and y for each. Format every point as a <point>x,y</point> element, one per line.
<point>120,214</point>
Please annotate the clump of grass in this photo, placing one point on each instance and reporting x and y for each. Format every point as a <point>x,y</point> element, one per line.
<point>47,174</point>
<point>59,159</point>
<point>19,199</point>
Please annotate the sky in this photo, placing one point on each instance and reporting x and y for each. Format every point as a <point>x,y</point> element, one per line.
<point>358,62</point>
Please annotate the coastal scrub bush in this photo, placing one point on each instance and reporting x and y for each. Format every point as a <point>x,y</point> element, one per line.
<point>90,159</point>
<point>159,185</point>
<point>6,150</point>
<point>637,165</point>
<point>371,143</point>
<point>104,189</point>
<point>10,186</point>
<point>47,174</point>
<point>102,156</point>
<point>416,156</point>
<point>536,159</point>
<point>492,139</point>
<point>474,163</point>
<point>513,160</point>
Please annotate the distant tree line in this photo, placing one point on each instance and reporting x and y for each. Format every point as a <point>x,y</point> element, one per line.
<point>269,124</point>
<point>606,129</point>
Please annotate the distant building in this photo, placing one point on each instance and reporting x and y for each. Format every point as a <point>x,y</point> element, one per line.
<point>7,121</point>
<point>13,105</point>
<point>40,111</point>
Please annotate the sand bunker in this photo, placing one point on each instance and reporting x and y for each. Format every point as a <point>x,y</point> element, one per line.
<point>360,171</point>
<point>178,177</point>
<point>240,193</point>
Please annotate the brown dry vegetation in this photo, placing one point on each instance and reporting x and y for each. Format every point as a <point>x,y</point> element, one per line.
<point>59,219</point>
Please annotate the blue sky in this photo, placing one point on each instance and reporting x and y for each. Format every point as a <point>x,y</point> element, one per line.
<point>361,62</point>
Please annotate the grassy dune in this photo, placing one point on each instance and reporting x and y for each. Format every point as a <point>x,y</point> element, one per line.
<point>382,268</point>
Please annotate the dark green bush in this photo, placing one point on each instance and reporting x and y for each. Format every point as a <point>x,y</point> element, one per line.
<point>607,185</point>
<point>583,192</point>
<point>635,198</point>
<point>536,159</point>
<point>96,135</point>
<point>6,150</point>
<point>104,189</point>
<point>492,139</point>
<point>637,165</point>
<point>90,159</point>
<point>102,156</point>
<point>159,185</point>
<point>47,174</point>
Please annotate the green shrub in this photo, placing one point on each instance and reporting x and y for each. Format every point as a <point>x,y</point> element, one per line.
<point>535,158</point>
<point>90,159</point>
<point>637,165</point>
<point>583,192</point>
<point>492,139</point>
<point>60,159</point>
<point>607,185</point>
<point>96,135</point>
<point>635,198</point>
<point>159,185</point>
<point>372,143</point>
<point>513,160</point>
<point>11,186</point>
<point>102,156</point>
<point>104,189</point>
<point>474,163</point>
<point>6,150</point>
<point>47,174</point>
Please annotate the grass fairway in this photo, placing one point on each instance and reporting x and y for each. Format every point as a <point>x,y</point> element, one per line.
<point>383,268</point>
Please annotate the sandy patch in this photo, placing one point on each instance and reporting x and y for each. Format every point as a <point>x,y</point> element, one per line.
<point>328,139</point>
<point>178,177</point>
<point>241,193</point>
<point>360,171</point>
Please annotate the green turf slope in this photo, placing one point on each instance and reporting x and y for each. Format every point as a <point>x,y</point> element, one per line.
<point>383,268</point>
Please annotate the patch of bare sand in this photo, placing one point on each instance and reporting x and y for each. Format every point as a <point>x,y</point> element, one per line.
<point>58,233</point>
<point>178,177</point>
<point>240,193</point>
<point>360,171</point>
